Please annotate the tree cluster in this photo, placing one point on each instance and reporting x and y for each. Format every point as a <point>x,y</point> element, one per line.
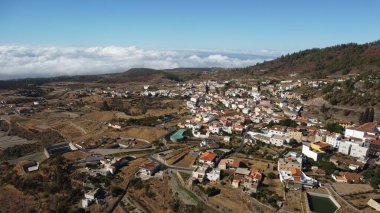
<point>367,116</point>
<point>334,127</point>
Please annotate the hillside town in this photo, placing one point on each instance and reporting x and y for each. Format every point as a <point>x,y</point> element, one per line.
<point>263,145</point>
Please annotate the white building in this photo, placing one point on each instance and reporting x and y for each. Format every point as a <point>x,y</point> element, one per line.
<point>201,135</point>
<point>334,139</point>
<point>344,147</point>
<point>115,125</point>
<point>359,151</point>
<point>277,130</point>
<point>227,129</point>
<point>353,149</point>
<point>354,133</point>
<point>89,198</point>
<point>194,99</point>
<point>278,140</point>
<point>199,173</point>
<point>363,131</point>
<point>214,129</point>
<point>214,175</point>
<point>308,152</point>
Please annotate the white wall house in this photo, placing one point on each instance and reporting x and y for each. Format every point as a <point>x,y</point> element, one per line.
<point>278,140</point>
<point>308,152</point>
<point>353,149</point>
<point>194,99</point>
<point>344,147</point>
<point>359,151</point>
<point>334,139</point>
<point>198,134</point>
<point>354,133</point>
<point>227,129</point>
<point>199,173</point>
<point>214,175</point>
<point>277,132</point>
<point>214,129</point>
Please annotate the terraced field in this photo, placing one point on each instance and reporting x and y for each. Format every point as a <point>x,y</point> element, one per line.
<point>10,141</point>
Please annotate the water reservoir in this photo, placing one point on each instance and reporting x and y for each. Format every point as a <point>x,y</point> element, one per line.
<point>321,203</point>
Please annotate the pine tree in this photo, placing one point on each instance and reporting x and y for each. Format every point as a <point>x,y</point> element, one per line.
<point>371,115</point>
<point>323,108</point>
<point>105,106</point>
<point>366,115</point>
<point>361,118</point>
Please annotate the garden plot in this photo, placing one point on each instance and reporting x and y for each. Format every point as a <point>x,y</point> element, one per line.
<point>10,141</point>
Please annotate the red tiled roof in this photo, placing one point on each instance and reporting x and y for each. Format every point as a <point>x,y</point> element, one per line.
<point>238,177</point>
<point>337,177</point>
<point>301,119</point>
<point>208,156</point>
<point>149,166</point>
<point>256,175</point>
<point>296,172</point>
<point>367,127</point>
<point>298,179</point>
<point>375,142</point>
<point>322,145</point>
<point>351,176</point>
<point>229,171</point>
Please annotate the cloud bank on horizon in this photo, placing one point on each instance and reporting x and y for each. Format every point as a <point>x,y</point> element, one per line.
<point>26,61</point>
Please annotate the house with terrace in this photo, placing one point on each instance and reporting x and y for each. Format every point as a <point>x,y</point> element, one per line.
<point>354,148</point>
<point>365,131</point>
<point>214,174</point>
<point>208,158</point>
<point>252,181</point>
<point>290,172</point>
<point>150,168</point>
<point>199,173</point>
<point>347,177</point>
<point>345,162</point>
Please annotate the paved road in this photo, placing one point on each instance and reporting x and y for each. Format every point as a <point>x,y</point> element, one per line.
<point>115,151</point>
<point>137,139</point>
<point>241,145</point>
<point>179,168</point>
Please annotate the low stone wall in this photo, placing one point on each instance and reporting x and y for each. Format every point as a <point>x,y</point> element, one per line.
<point>331,189</point>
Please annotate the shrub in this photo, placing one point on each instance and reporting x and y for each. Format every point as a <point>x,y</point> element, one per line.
<point>116,191</point>
<point>136,183</point>
<point>271,175</point>
<point>212,191</point>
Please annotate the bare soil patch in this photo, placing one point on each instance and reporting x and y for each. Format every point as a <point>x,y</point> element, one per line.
<point>187,161</point>
<point>347,189</point>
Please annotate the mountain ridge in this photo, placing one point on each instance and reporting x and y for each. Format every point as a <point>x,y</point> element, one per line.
<point>321,62</point>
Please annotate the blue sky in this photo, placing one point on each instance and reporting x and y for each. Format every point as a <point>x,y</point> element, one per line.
<point>41,38</point>
<point>200,24</point>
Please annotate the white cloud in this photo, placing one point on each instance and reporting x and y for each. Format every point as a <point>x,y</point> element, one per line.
<point>27,61</point>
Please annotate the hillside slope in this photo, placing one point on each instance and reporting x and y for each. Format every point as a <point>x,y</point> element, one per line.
<point>319,63</point>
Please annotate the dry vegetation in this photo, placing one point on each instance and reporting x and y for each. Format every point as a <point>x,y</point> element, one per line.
<point>347,189</point>
<point>14,200</point>
<point>186,161</point>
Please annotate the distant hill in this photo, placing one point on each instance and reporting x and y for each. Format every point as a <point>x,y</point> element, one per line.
<point>131,75</point>
<point>145,74</point>
<point>321,62</point>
